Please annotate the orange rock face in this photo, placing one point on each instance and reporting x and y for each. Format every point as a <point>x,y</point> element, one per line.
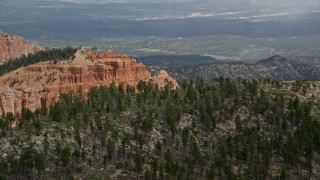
<point>26,86</point>
<point>13,46</point>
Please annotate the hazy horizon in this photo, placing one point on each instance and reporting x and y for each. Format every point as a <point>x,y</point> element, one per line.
<point>230,29</point>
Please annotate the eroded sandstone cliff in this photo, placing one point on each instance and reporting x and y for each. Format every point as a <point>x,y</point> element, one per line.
<point>13,46</point>
<point>25,87</point>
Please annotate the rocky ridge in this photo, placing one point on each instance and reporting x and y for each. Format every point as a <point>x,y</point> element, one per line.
<point>14,46</point>
<point>276,67</point>
<point>25,87</point>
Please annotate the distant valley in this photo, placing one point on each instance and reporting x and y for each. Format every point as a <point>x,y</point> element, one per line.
<point>244,33</point>
<point>304,49</point>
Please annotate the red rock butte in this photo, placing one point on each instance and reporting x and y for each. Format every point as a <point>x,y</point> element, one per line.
<point>13,46</point>
<point>26,86</point>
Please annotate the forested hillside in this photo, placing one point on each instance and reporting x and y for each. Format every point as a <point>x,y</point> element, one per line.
<point>218,130</point>
<point>275,68</point>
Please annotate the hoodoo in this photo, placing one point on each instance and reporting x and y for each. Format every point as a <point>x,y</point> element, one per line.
<point>25,87</point>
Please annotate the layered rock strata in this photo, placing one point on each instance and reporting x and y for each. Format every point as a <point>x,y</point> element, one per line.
<point>25,87</point>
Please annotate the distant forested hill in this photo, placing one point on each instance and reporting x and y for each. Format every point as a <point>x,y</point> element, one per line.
<point>276,68</point>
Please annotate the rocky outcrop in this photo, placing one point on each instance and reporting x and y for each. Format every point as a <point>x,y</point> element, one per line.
<point>164,78</point>
<point>25,87</point>
<point>13,46</point>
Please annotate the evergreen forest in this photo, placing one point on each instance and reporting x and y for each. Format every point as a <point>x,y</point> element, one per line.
<point>223,129</point>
